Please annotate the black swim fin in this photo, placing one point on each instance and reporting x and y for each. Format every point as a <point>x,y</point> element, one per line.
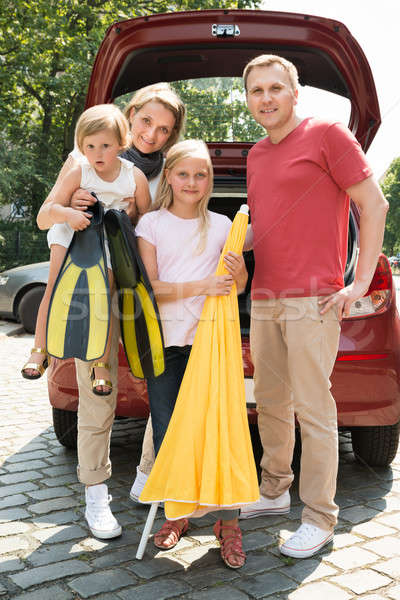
<point>79,312</point>
<point>141,330</point>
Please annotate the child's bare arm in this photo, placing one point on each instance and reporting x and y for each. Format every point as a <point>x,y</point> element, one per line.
<point>56,209</point>
<point>235,264</point>
<point>165,291</point>
<point>80,199</point>
<point>248,242</point>
<point>140,203</point>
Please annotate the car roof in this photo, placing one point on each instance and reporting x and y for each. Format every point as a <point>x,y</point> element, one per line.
<point>186,45</point>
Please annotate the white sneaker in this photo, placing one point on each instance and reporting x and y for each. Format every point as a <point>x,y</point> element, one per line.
<point>267,506</point>
<point>98,515</point>
<point>306,541</point>
<point>138,485</point>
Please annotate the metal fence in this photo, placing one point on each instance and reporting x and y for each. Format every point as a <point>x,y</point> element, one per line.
<point>21,244</point>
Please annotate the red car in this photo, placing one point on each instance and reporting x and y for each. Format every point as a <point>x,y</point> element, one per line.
<point>192,47</point>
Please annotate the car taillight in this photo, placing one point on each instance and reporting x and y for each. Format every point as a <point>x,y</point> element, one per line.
<point>379,294</point>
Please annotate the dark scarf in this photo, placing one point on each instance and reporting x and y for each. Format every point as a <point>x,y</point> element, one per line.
<point>151,164</point>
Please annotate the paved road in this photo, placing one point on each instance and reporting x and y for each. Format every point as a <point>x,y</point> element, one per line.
<point>47,553</point>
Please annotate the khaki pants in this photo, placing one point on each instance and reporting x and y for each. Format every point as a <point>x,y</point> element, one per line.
<point>147,458</point>
<point>293,349</point>
<point>95,418</point>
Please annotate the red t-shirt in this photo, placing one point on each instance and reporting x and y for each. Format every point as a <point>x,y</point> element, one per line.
<point>299,209</point>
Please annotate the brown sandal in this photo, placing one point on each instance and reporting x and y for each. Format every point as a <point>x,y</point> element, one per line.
<point>33,366</point>
<point>231,544</point>
<point>170,528</point>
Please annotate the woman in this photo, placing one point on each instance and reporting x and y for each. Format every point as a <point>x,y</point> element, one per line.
<point>156,117</point>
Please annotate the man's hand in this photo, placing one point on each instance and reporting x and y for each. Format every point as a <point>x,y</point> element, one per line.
<point>235,264</point>
<point>343,299</point>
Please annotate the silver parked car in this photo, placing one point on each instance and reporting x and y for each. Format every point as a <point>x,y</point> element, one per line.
<point>21,290</point>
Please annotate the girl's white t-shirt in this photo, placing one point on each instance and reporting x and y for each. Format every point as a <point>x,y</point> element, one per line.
<point>178,260</point>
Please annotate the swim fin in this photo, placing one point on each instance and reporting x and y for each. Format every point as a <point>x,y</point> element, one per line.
<point>140,324</point>
<point>79,312</point>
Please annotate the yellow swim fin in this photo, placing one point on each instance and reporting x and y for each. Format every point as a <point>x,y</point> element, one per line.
<point>79,311</point>
<point>140,324</point>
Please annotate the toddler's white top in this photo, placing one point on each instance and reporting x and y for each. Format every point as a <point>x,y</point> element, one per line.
<point>153,183</point>
<point>111,194</point>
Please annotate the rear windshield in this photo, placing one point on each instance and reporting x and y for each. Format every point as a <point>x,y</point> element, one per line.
<point>218,104</point>
<point>217,112</point>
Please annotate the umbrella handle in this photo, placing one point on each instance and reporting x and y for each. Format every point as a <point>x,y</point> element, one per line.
<point>147,530</point>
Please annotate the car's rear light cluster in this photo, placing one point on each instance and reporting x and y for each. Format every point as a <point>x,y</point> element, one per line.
<point>379,295</point>
<point>348,357</point>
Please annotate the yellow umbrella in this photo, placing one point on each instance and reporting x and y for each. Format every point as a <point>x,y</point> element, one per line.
<point>206,459</point>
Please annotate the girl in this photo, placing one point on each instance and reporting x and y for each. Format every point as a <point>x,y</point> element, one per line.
<point>102,132</point>
<point>180,243</point>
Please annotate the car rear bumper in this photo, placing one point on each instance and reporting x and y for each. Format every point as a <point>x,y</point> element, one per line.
<point>365,380</point>
<point>366,376</point>
<point>370,400</point>
<point>63,389</point>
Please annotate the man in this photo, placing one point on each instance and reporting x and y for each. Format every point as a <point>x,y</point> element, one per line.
<point>300,179</point>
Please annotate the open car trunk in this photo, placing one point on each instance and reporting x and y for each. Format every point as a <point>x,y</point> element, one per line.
<point>196,45</point>
<point>219,43</point>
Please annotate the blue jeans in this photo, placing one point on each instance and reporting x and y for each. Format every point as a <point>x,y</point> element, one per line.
<point>163,392</point>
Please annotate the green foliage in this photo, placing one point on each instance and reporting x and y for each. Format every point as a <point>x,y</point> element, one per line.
<point>47,49</point>
<point>216,110</point>
<point>391,191</point>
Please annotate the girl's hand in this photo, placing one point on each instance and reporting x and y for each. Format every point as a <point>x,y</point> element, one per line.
<point>218,285</point>
<point>81,200</point>
<point>77,219</point>
<point>234,263</point>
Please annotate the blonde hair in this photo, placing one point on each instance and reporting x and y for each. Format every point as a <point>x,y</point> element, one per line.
<point>165,95</point>
<point>101,117</point>
<point>266,60</point>
<point>164,196</point>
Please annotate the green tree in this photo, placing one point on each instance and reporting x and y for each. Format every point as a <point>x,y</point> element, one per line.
<point>47,48</point>
<point>391,190</point>
<point>217,110</point>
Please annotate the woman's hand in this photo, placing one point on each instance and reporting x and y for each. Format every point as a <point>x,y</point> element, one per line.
<point>234,263</point>
<point>218,285</point>
<point>131,209</point>
<point>142,200</point>
<point>82,200</point>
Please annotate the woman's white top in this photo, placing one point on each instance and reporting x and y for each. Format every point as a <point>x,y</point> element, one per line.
<point>153,184</point>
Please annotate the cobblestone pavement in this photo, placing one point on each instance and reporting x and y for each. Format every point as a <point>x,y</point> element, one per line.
<point>46,552</point>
